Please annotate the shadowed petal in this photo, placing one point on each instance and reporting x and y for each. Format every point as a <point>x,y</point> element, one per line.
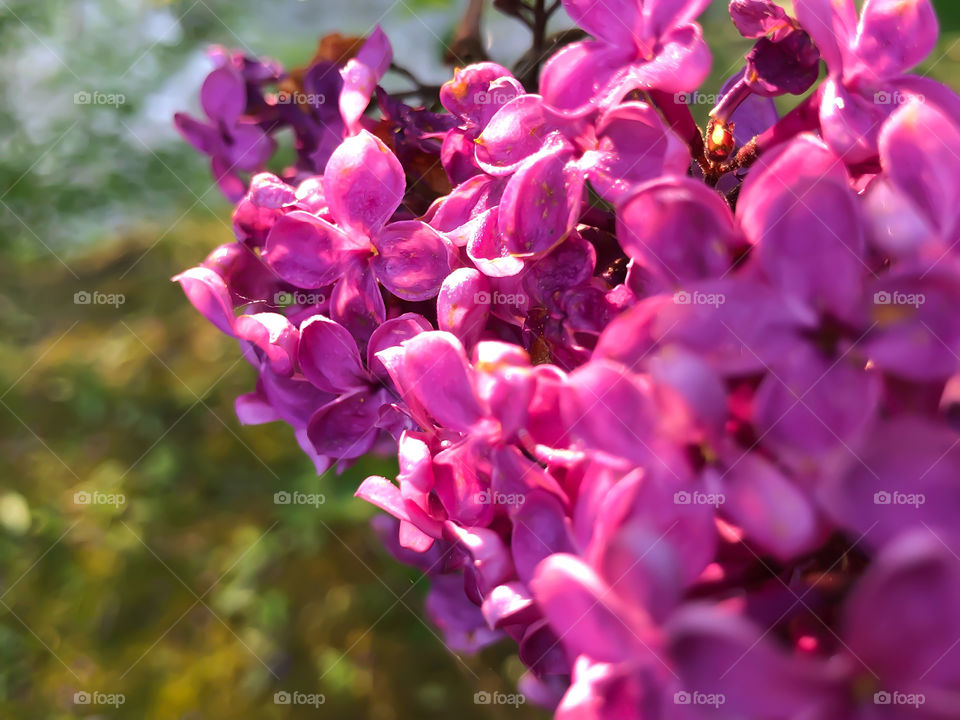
<point>305,250</point>
<point>345,428</point>
<point>329,357</point>
<point>412,259</point>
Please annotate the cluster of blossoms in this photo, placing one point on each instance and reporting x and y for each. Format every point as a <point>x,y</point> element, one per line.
<point>675,411</point>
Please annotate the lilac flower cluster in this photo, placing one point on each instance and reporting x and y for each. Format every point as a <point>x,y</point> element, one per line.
<point>675,411</point>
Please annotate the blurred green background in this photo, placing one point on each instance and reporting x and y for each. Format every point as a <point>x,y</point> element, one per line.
<point>197,597</point>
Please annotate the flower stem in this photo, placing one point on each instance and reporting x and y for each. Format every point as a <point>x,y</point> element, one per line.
<point>731,101</point>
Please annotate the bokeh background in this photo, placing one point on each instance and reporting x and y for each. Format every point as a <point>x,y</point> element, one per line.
<point>197,597</point>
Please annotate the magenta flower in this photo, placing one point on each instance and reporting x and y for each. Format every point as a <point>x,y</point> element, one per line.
<point>360,77</point>
<point>675,414</point>
<point>328,357</point>
<point>233,142</point>
<point>548,168</point>
<point>358,246</point>
<point>638,44</point>
<point>783,60</point>
<point>866,61</point>
<point>896,647</point>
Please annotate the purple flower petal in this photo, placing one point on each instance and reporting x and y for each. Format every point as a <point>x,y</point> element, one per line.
<point>412,259</point>
<point>391,334</point>
<point>485,247</point>
<point>436,372</point>
<point>583,612</point>
<point>345,428</point>
<point>895,35</point>
<point>912,151</point>
<point>541,202</point>
<point>634,146</point>
<point>912,591</point>
<point>305,250</point>
<point>771,510</point>
<point>223,95</point>
<point>720,652</point>
<point>610,409</point>
<point>573,78</point>
<point>274,335</point>
<point>679,229</point>
<point>832,24</point>
<point>361,75</point>
<point>363,183</point>
<point>477,91</point>
<point>204,137</point>
<point>809,406</point>
<point>357,302</point>
<point>514,133</point>
<point>614,21</point>
<point>802,219</point>
<point>681,64</point>
<point>540,529</point>
<point>209,294</point>
<point>903,479</point>
<point>463,305</point>
<point>508,604</point>
<point>328,356</point>
<point>756,18</point>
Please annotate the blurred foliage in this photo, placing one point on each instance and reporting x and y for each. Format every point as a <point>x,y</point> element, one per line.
<point>197,597</point>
